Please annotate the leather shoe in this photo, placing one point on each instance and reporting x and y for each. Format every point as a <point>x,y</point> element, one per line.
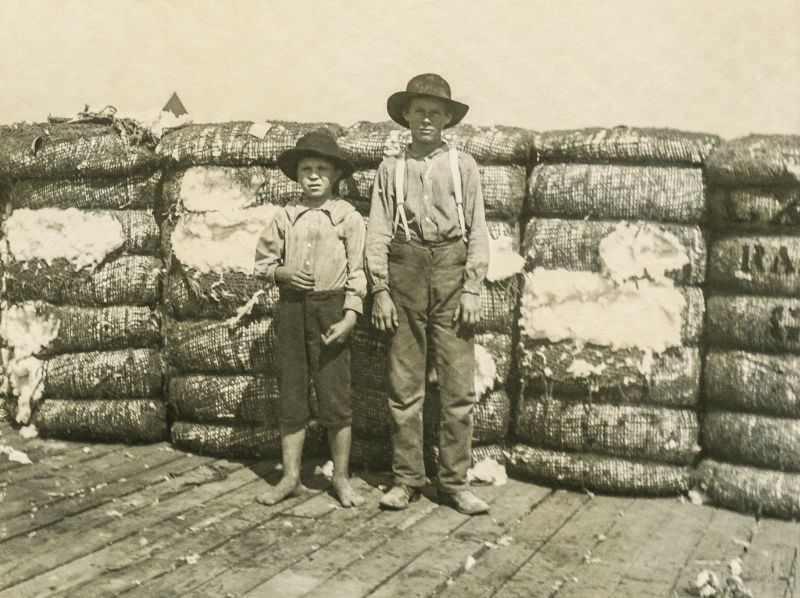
<point>464,501</point>
<point>399,497</point>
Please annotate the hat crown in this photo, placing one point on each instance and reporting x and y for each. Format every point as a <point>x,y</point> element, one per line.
<point>429,84</point>
<point>318,141</point>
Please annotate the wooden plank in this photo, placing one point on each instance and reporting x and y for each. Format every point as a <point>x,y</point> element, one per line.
<point>771,565</point>
<point>173,540</point>
<point>69,481</point>
<point>37,449</point>
<point>232,563</point>
<point>553,565</point>
<point>141,472</point>
<point>652,572</point>
<point>431,571</point>
<point>312,571</point>
<point>527,536</point>
<point>726,538</point>
<point>599,576</point>
<point>45,464</point>
<point>251,570</point>
<point>380,565</point>
<point>118,556</point>
<point>73,537</point>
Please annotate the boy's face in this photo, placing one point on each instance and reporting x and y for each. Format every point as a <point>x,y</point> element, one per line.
<point>317,177</point>
<point>426,118</point>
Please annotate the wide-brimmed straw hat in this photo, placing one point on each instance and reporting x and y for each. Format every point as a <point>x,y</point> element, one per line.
<point>428,85</point>
<point>317,144</point>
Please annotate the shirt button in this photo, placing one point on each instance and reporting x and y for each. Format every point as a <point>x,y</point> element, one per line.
<point>309,244</point>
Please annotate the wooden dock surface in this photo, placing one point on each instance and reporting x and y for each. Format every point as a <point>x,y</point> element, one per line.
<point>108,519</point>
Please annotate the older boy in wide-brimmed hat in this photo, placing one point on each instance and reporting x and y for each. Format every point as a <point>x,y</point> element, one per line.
<point>314,251</point>
<point>427,255</point>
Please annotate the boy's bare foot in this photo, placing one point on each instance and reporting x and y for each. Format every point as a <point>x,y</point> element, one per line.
<point>346,493</point>
<point>288,486</point>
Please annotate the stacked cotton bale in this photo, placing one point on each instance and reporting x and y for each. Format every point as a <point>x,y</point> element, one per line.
<point>751,424</point>
<point>611,311</point>
<point>220,193</point>
<point>501,154</point>
<point>81,278</point>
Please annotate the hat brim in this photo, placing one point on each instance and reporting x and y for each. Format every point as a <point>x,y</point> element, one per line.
<point>398,101</point>
<point>289,160</point>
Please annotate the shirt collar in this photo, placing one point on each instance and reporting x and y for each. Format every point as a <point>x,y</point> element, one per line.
<point>442,148</point>
<point>335,209</point>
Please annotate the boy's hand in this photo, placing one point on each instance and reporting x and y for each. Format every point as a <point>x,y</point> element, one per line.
<point>384,312</point>
<point>468,309</point>
<point>338,332</point>
<point>302,280</point>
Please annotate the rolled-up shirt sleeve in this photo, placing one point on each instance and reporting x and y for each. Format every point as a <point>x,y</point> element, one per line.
<point>379,231</point>
<point>356,284</point>
<point>477,263</point>
<point>269,249</point>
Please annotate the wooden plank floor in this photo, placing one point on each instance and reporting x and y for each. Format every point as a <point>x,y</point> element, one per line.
<point>108,519</point>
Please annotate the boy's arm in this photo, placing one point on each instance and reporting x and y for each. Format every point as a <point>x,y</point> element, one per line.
<point>269,249</point>
<point>379,231</point>
<point>478,237</point>
<point>356,284</point>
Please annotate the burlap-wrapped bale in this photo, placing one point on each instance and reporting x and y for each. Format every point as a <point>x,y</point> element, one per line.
<point>131,192</point>
<point>631,431</point>
<point>227,440</point>
<point>490,415</point>
<point>601,191</point>
<point>753,382</point>
<point>754,322</point>
<point>126,280</point>
<point>758,440</point>
<point>574,245</point>
<point>230,399</point>
<point>95,328</point>
<point>189,293</point>
<point>624,144</point>
<point>371,412</point>
<point>130,421</point>
<point>501,228</point>
<point>758,264</point>
<point>754,208</point>
<point>368,356</point>
<point>625,376</point>
<point>205,188</point>
<point>127,374</point>
<point>756,160</point>
<point>498,306</point>
<point>500,347</point>
<point>134,232</point>
<point>214,347</point>
<point>752,490</point>
<point>234,143</point>
<point>50,150</point>
<point>365,142</point>
<point>376,453</point>
<point>502,187</point>
<point>596,472</point>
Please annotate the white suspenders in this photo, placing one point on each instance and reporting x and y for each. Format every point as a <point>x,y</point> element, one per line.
<point>400,193</point>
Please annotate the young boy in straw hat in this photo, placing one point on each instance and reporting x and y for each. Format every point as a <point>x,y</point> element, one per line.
<point>314,252</point>
<point>427,255</point>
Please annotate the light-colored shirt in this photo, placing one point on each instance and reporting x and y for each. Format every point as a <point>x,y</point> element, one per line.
<point>431,213</point>
<point>327,241</point>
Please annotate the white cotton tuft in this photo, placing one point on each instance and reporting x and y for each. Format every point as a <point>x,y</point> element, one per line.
<point>503,260</point>
<point>82,237</point>
<point>221,241</point>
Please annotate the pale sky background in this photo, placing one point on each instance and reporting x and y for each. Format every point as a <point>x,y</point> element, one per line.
<point>729,67</point>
